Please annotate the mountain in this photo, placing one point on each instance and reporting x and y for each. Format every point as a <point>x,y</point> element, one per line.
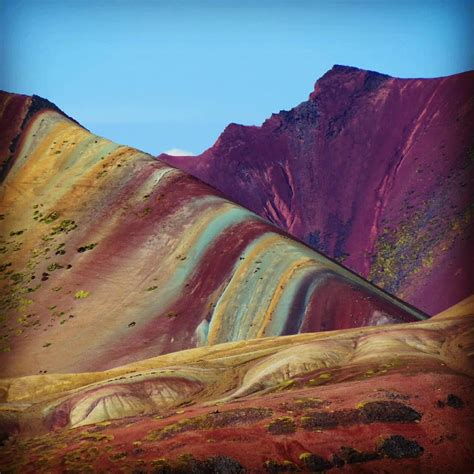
<point>381,399</point>
<point>373,171</point>
<point>109,256</point>
<point>151,325</point>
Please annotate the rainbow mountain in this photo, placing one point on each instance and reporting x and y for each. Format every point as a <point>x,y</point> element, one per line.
<point>149,323</point>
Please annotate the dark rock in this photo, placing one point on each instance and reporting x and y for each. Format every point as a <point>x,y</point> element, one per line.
<point>399,447</point>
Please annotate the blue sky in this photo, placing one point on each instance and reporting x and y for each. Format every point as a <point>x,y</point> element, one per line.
<point>172,74</point>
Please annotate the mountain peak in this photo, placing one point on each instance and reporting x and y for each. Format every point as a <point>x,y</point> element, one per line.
<point>341,68</point>
<point>348,79</point>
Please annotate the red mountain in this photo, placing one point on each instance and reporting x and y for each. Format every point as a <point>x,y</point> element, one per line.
<point>371,170</point>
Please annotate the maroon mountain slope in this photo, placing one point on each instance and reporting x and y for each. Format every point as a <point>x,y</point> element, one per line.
<point>373,171</point>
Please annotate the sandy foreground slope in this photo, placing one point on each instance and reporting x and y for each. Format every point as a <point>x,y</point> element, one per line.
<point>382,399</point>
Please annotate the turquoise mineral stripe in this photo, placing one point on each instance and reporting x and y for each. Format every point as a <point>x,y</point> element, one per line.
<point>42,127</point>
<point>286,304</point>
<point>276,260</point>
<point>248,306</point>
<point>202,332</point>
<point>292,256</point>
<point>243,318</point>
<point>37,129</point>
<point>343,272</point>
<point>80,150</point>
<point>217,226</point>
<point>256,292</point>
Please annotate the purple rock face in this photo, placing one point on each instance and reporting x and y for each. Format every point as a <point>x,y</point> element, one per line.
<point>373,171</point>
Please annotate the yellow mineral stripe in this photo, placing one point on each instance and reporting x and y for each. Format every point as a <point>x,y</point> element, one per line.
<point>296,266</point>
<point>236,283</point>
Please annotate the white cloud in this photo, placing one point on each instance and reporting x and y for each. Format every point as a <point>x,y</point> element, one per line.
<point>179,152</point>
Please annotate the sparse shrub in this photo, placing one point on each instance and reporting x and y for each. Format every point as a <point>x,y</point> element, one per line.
<point>81,294</point>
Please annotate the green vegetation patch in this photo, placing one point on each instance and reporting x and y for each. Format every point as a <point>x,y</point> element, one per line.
<point>240,416</point>
<point>87,247</point>
<point>66,226</point>
<point>81,294</point>
<point>54,266</point>
<point>49,218</point>
<point>282,425</point>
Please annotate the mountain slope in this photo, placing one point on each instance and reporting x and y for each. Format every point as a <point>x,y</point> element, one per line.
<point>373,171</point>
<point>109,256</point>
<point>384,399</point>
